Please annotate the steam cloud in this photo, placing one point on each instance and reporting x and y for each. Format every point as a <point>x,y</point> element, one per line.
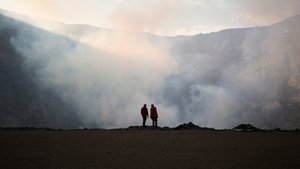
<point>249,77</point>
<point>111,74</point>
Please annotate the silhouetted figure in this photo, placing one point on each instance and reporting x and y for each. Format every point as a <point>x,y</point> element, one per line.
<point>153,115</point>
<point>144,113</point>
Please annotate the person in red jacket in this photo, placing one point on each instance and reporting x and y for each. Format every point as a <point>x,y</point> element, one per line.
<point>144,113</point>
<point>153,115</point>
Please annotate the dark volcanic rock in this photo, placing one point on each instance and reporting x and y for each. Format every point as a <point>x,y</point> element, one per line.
<point>246,127</point>
<point>189,125</point>
<point>145,128</point>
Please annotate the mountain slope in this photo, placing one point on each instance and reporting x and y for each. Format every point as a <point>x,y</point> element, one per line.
<point>23,102</point>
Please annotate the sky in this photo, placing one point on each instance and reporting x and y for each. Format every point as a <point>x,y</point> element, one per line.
<point>161,17</point>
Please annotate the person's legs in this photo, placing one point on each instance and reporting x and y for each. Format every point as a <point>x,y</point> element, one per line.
<point>155,122</point>
<point>144,121</point>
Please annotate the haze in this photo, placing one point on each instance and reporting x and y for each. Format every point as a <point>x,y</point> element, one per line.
<point>245,75</point>
<point>161,17</point>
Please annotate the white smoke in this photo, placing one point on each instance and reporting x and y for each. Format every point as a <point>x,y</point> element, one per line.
<point>238,76</point>
<point>108,75</point>
<point>226,79</point>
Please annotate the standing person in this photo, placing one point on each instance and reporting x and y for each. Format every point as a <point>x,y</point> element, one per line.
<point>144,113</point>
<point>153,115</point>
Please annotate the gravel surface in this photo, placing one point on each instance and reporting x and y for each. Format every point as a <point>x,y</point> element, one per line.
<point>143,149</point>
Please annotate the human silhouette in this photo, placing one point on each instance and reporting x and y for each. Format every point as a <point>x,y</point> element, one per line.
<point>153,115</point>
<point>144,113</point>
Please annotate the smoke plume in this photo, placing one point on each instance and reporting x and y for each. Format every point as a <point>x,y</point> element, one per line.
<point>215,80</point>
<point>109,75</point>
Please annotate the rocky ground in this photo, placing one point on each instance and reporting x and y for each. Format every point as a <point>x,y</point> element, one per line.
<point>136,148</point>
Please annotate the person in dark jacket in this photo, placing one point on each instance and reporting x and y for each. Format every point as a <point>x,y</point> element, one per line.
<point>144,113</point>
<point>153,115</point>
